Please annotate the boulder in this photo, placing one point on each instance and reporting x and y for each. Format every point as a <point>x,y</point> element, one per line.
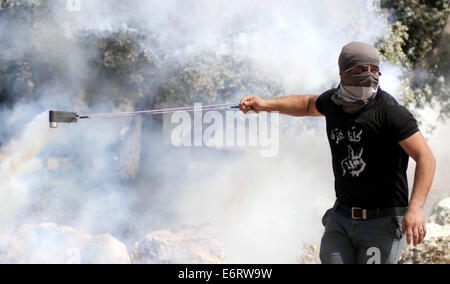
<point>104,249</point>
<point>50,243</point>
<point>189,245</point>
<point>441,212</point>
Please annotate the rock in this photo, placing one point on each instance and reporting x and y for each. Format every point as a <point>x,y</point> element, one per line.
<point>104,249</point>
<point>193,244</point>
<point>309,255</point>
<point>441,212</point>
<point>50,243</point>
<point>45,243</point>
<point>434,249</point>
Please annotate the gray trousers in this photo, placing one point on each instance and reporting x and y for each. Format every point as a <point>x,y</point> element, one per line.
<point>348,241</point>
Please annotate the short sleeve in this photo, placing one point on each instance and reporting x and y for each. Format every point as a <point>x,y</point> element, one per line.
<point>322,99</point>
<point>319,103</point>
<point>401,122</point>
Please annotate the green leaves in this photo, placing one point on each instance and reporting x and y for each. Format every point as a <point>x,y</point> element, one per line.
<point>420,42</point>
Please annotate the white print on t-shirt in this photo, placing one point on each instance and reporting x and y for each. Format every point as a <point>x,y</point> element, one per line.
<point>353,164</point>
<point>354,135</point>
<point>337,135</point>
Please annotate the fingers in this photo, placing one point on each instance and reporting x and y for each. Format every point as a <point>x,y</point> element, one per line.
<point>424,231</point>
<point>247,104</point>
<point>408,235</point>
<point>414,234</point>
<point>419,233</point>
<point>244,104</point>
<point>422,234</point>
<point>413,226</point>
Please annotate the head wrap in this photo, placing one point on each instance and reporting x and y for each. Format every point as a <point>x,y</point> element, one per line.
<point>356,89</point>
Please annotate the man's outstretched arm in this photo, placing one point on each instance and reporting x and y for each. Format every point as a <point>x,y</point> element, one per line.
<point>296,105</point>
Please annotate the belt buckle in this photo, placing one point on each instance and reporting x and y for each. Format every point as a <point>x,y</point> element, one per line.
<point>362,213</point>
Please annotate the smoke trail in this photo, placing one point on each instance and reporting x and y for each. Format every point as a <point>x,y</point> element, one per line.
<point>15,160</point>
<point>20,150</point>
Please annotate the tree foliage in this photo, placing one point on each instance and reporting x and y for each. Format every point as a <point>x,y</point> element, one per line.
<point>210,78</point>
<point>420,43</point>
<point>425,20</point>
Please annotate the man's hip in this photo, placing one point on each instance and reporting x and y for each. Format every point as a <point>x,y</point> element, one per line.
<point>351,239</point>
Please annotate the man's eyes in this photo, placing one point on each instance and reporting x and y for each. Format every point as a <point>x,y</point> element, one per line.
<point>360,70</point>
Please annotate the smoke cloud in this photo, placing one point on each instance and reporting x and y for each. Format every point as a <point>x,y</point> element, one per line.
<point>118,176</point>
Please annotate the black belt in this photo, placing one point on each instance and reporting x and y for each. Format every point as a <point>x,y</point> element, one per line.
<point>362,214</point>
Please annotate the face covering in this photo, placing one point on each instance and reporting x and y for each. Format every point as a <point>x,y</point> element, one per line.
<point>356,89</point>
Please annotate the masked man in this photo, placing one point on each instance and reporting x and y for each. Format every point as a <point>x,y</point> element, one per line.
<point>371,138</point>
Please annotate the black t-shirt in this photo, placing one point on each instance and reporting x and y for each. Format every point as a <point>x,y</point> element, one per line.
<point>368,163</point>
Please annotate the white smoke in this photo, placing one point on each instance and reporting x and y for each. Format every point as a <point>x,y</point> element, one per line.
<point>264,209</point>
<point>16,159</point>
<point>435,140</point>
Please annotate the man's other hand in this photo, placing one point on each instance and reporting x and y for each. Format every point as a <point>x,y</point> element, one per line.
<point>414,226</point>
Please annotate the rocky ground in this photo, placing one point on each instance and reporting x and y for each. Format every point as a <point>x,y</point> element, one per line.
<point>51,243</point>
<point>194,244</point>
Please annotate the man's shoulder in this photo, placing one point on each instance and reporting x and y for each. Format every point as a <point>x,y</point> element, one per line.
<point>324,100</point>
<point>328,93</point>
<point>325,97</point>
<point>399,120</point>
<point>390,106</point>
<point>386,99</point>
